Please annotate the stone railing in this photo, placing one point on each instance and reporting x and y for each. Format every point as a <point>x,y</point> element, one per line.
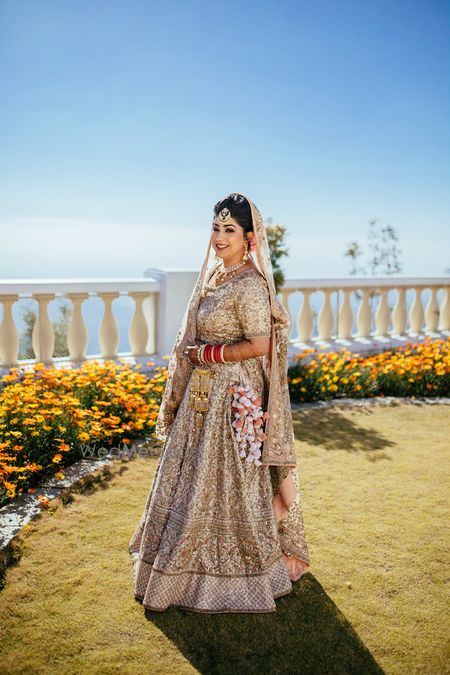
<point>384,321</point>
<point>160,299</point>
<point>141,331</point>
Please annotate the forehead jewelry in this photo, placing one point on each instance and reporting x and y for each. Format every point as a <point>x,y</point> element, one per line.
<point>224,215</point>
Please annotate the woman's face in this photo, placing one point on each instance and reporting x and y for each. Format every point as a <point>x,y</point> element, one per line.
<point>229,242</point>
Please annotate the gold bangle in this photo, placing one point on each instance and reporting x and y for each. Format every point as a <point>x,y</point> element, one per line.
<point>203,355</point>
<point>200,354</point>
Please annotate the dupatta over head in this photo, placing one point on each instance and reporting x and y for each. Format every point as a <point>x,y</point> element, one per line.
<point>279,446</point>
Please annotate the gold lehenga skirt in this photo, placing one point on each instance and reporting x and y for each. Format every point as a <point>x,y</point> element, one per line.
<point>208,539</point>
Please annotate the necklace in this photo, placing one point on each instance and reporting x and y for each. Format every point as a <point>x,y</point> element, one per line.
<point>220,276</point>
<point>223,271</point>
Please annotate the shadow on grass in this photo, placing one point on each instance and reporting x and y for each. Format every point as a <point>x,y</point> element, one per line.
<point>307,634</point>
<point>332,430</point>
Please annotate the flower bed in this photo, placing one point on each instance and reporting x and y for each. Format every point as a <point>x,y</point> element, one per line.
<point>49,415</point>
<point>416,370</point>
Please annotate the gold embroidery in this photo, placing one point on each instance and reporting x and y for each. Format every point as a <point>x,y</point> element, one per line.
<point>199,392</point>
<point>208,539</point>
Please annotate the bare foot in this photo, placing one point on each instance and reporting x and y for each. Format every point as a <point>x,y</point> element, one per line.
<point>295,567</point>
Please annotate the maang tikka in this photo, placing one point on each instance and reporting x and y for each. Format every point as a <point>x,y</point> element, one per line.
<point>224,215</point>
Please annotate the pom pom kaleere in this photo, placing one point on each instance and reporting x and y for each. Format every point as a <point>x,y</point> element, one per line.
<point>248,421</point>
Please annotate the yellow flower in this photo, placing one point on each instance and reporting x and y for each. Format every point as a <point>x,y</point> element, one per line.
<point>83,436</point>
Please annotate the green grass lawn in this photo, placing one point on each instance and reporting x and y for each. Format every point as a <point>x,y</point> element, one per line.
<point>374,485</point>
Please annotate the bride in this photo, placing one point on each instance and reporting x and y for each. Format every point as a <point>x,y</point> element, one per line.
<point>222,528</point>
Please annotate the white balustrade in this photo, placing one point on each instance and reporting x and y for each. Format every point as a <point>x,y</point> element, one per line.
<point>141,331</point>
<point>434,320</point>
<point>161,296</point>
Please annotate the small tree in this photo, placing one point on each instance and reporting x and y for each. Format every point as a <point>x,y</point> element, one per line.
<point>275,235</point>
<point>383,251</point>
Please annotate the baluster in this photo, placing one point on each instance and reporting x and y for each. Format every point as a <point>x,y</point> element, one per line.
<point>399,313</point>
<point>432,312</point>
<point>364,315</point>
<point>305,318</point>
<point>9,338</point>
<point>108,333</point>
<point>77,335</point>
<point>285,293</point>
<point>43,336</point>
<point>345,316</point>
<point>416,312</point>
<point>138,330</point>
<point>444,319</point>
<point>382,316</point>
<point>326,318</point>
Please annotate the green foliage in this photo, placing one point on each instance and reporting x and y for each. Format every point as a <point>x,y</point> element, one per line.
<point>275,236</point>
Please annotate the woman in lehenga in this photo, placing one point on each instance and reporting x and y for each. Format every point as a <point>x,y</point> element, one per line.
<point>222,529</point>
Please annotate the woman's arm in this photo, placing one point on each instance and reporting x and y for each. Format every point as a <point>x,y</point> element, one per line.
<point>236,351</point>
<point>247,349</point>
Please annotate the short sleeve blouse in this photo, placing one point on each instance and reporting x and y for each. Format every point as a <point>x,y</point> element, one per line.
<point>252,303</point>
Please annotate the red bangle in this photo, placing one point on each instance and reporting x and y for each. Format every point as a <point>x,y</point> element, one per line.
<point>213,353</point>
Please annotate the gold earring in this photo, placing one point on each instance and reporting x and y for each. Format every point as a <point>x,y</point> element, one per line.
<point>245,256</point>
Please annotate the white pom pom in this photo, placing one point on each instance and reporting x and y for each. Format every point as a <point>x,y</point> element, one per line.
<point>242,453</point>
<point>257,462</point>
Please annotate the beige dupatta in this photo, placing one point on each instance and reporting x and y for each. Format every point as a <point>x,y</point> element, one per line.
<point>279,446</point>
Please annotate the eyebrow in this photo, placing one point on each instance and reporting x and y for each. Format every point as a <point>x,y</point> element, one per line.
<point>225,224</point>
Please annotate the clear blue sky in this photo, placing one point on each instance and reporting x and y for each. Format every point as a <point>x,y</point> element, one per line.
<point>122,123</point>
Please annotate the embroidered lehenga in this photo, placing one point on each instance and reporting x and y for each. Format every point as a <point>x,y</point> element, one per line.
<point>209,538</point>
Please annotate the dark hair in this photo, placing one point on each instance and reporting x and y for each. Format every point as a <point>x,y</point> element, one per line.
<point>239,209</point>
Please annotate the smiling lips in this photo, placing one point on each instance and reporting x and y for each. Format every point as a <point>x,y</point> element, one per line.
<point>221,246</point>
